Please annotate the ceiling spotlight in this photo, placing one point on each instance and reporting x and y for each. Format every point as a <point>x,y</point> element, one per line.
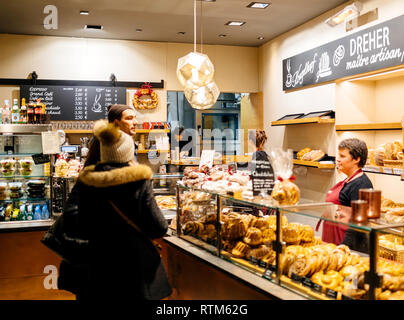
<point>222,35</point>
<point>234,23</point>
<point>84,13</point>
<point>258,5</point>
<point>93,27</point>
<point>181,33</point>
<point>348,13</point>
<point>261,38</point>
<point>139,30</point>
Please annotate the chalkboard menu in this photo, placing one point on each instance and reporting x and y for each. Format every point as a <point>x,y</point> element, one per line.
<point>75,102</point>
<point>262,176</point>
<point>374,48</point>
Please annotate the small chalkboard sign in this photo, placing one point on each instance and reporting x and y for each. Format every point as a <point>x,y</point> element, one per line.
<point>40,158</point>
<point>262,176</point>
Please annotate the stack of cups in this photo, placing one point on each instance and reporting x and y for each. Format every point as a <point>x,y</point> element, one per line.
<point>369,202</point>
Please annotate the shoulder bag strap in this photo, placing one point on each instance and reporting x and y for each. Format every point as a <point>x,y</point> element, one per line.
<point>134,225</point>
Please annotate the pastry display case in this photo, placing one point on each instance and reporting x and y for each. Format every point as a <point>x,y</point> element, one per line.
<point>283,244</point>
<point>164,188</point>
<point>25,184</point>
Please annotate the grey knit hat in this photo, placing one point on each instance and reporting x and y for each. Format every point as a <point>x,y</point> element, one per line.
<point>115,145</point>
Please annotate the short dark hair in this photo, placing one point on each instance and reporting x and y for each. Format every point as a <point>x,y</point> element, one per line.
<point>357,149</point>
<point>115,111</point>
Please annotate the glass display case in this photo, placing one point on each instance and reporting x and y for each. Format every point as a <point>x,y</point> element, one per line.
<point>25,184</point>
<point>286,244</point>
<point>164,188</point>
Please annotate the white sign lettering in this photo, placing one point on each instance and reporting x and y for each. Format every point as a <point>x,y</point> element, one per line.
<point>50,21</point>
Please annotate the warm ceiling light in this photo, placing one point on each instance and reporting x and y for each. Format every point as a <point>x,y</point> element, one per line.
<point>84,13</point>
<point>348,13</point>
<point>260,38</point>
<point>222,35</point>
<point>258,5</point>
<point>181,32</point>
<point>234,23</point>
<point>139,30</point>
<point>93,27</point>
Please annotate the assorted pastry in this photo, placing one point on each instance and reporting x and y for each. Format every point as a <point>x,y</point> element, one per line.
<point>307,154</point>
<point>389,154</point>
<point>392,212</point>
<point>166,202</point>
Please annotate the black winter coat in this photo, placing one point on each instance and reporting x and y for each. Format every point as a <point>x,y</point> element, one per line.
<point>120,259</point>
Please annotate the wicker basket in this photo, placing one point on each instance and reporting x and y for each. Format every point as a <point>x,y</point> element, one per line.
<point>389,253</point>
<point>393,163</point>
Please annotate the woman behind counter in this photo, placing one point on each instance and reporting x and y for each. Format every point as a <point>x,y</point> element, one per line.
<point>351,158</point>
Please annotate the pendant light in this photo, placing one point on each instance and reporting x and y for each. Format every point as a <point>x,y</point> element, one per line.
<point>195,72</point>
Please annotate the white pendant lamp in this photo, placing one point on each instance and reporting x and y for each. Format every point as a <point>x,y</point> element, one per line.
<point>195,72</point>
<point>202,97</point>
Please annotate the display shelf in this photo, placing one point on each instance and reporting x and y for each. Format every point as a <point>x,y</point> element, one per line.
<point>152,130</point>
<point>314,164</point>
<point>319,120</point>
<point>23,177</point>
<point>24,128</point>
<point>369,126</point>
<point>151,150</point>
<point>25,199</point>
<point>78,131</point>
<point>383,170</point>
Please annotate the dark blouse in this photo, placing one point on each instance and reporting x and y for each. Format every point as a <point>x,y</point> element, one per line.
<point>355,240</point>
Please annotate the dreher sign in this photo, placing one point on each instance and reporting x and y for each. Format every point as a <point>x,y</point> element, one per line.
<point>377,47</point>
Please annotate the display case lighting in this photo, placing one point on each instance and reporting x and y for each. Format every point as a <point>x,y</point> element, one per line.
<point>93,27</point>
<point>348,13</point>
<point>84,13</point>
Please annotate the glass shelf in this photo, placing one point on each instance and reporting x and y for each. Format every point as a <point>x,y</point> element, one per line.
<point>23,177</point>
<point>25,199</point>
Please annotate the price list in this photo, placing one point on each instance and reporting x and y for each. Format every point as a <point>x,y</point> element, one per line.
<point>75,102</point>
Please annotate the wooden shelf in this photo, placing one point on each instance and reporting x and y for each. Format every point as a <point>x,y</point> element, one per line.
<point>78,131</point>
<point>314,164</point>
<point>383,170</point>
<point>151,150</point>
<point>369,126</point>
<point>152,130</point>
<point>302,121</point>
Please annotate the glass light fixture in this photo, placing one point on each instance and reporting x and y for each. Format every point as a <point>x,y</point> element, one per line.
<point>195,72</point>
<point>202,97</point>
<point>195,69</point>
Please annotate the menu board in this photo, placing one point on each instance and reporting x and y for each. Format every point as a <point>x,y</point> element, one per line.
<point>263,178</point>
<point>75,102</point>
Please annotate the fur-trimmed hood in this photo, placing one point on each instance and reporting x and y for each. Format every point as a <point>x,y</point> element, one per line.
<point>89,176</point>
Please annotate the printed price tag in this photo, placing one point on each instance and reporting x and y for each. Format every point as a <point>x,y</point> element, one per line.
<point>268,274</point>
<point>398,171</point>
<point>296,278</point>
<point>307,282</point>
<point>331,293</point>
<point>388,170</point>
<point>343,297</point>
<point>317,288</point>
<point>262,264</point>
<point>253,260</point>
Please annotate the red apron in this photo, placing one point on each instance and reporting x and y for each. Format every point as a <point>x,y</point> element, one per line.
<point>333,232</point>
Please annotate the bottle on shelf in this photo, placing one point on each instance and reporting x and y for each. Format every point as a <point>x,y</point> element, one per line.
<point>43,113</point>
<point>8,212</point>
<point>38,111</point>
<point>6,113</point>
<point>38,212</point>
<point>45,212</point>
<point>30,112</point>
<point>29,212</point>
<point>15,112</point>
<point>2,213</point>
<point>23,112</point>
<point>22,215</point>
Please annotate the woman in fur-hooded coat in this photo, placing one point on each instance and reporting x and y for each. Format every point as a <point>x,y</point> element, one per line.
<point>122,263</point>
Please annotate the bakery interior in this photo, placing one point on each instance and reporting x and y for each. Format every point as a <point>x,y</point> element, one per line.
<point>244,245</point>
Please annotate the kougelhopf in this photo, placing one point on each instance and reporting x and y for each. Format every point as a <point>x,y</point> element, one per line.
<point>240,250</point>
<point>253,237</point>
<point>261,223</point>
<point>193,227</point>
<point>291,233</point>
<point>306,233</point>
<point>235,229</point>
<point>268,235</point>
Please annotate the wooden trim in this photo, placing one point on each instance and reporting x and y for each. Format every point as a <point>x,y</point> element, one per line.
<point>369,126</point>
<point>302,121</point>
<point>152,130</point>
<point>151,150</point>
<point>314,164</point>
